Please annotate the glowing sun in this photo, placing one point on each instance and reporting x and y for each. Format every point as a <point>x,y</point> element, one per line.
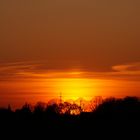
<point>74,88</point>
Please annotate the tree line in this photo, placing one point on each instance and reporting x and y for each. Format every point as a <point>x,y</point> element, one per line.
<point>107,116</point>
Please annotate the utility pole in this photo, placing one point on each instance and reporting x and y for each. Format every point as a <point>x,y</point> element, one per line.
<point>60,98</point>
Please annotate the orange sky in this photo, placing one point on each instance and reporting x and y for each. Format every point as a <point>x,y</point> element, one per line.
<point>78,47</point>
<point>31,86</point>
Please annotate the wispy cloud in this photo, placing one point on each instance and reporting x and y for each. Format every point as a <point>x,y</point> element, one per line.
<point>121,72</point>
<point>133,67</point>
<point>13,70</point>
<point>20,70</point>
<point>37,70</point>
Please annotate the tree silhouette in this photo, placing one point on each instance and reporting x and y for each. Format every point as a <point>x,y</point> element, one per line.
<point>52,109</point>
<point>65,117</point>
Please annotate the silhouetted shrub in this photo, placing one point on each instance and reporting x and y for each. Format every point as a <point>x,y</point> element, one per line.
<point>128,107</point>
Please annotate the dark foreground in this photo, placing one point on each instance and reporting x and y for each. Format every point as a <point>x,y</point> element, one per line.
<point>113,119</point>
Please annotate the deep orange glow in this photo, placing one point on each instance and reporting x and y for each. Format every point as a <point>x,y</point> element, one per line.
<point>31,88</point>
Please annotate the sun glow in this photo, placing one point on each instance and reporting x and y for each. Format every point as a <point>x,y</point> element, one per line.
<point>74,88</point>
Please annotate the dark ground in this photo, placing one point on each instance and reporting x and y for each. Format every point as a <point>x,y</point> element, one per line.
<point>113,119</point>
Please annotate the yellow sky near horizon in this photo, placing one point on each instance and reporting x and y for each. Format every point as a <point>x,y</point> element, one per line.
<point>30,87</point>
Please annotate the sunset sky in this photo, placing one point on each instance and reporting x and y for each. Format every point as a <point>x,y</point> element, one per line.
<point>81,48</point>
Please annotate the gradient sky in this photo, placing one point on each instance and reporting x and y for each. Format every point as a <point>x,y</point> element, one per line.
<point>58,40</point>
